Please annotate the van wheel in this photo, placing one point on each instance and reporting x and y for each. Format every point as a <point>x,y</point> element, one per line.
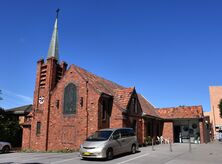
<point>133,149</point>
<point>5,149</point>
<point>109,154</point>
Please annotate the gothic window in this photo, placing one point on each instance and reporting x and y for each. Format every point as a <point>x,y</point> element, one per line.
<point>134,101</point>
<point>70,98</point>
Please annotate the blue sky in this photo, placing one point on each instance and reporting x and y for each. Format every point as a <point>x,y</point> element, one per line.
<point>170,50</point>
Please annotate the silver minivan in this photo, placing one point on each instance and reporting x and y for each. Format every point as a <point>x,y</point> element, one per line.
<point>107,143</point>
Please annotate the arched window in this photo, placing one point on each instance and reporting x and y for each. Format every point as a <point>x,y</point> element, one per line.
<point>70,97</point>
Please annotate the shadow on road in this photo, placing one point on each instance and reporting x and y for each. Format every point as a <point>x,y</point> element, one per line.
<point>102,160</point>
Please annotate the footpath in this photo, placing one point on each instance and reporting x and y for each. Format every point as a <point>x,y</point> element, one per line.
<point>210,153</point>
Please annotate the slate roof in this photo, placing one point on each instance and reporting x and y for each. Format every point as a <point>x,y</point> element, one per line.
<point>147,107</point>
<point>181,112</point>
<point>121,94</point>
<point>22,110</point>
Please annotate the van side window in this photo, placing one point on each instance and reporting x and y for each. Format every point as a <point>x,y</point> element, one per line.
<point>117,134</point>
<point>131,132</point>
<point>124,133</point>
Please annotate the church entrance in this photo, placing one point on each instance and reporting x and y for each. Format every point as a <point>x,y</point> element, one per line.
<point>104,111</point>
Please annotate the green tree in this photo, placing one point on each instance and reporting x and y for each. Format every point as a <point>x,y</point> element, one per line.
<point>220,107</point>
<point>10,129</point>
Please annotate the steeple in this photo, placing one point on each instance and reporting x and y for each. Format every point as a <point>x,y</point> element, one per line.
<point>54,44</point>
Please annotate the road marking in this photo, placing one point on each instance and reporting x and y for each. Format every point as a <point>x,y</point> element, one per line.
<point>64,160</point>
<point>43,156</point>
<point>24,157</point>
<point>15,156</point>
<point>34,159</point>
<point>133,158</point>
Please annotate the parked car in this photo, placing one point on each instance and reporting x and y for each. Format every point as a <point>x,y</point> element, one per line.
<point>5,147</point>
<point>107,143</point>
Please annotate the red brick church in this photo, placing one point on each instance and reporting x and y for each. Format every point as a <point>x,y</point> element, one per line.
<point>71,103</point>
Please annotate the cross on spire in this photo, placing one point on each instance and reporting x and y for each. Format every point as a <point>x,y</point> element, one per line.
<point>57,13</point>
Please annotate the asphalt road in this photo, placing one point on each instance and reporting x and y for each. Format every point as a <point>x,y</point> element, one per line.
<point>203,153</point>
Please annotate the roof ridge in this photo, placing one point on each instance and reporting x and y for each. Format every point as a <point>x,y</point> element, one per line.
<point>146,100</point>
<point>23,106</point>
<point>123,88</point>
<point>83,77</point>
<point>147,107</point>
<point>183,106</point>
<point>97,76</point>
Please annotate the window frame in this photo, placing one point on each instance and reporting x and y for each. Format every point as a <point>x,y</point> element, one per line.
<point>38,128</point>
<point>66,99</point>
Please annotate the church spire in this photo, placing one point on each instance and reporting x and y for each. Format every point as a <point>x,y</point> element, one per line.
<point>54,44</point>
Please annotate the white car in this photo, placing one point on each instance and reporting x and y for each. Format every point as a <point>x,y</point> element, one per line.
<point>5,147</point>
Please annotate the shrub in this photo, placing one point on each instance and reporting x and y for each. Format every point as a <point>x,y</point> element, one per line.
<point>148,140</point>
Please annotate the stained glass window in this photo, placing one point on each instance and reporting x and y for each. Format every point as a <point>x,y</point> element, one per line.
<point>70,99</point>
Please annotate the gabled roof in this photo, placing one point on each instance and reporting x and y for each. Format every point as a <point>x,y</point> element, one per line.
<point>100,84</point>
<point>122,96</point>
<point>147,107</point>
<point>181,112</point>
<point>22,110</point>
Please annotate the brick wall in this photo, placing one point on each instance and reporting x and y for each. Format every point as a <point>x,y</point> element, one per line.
<point>26,137</point>
<point>215,97</point>
<point>69,131</point>
<point>168,131</point>
<point>202,132</point>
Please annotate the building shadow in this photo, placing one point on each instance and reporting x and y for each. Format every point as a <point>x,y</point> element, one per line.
<point>103,159</point>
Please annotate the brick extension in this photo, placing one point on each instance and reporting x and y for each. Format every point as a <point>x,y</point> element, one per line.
<point>182,113</point>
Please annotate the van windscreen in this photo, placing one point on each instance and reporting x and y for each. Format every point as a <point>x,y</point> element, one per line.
<point>100,136</point>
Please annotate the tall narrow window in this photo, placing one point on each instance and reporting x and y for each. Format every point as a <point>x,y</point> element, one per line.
<point>103,110</point>
<point>38,128</point>
<point>70,99</point>
<point>134,101</point>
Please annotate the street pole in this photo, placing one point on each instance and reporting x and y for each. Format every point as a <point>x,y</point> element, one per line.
<point>152,145</point>
<point>190,146</point>
<point>171,150</point>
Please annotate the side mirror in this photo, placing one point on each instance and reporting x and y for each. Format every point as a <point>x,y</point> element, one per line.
<point>116,136</point>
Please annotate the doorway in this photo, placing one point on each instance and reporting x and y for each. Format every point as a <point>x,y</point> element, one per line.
<point>104,111</point>
<point>177,132</point>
